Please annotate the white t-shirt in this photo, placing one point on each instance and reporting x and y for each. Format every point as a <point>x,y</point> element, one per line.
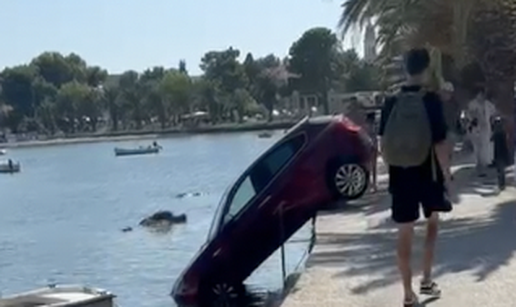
<point>482,111</point>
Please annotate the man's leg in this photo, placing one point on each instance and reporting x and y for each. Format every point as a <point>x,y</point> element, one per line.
<point>405,211</point>
<point>404,249</point>
<point>432,227</point>
<point>435,199</point>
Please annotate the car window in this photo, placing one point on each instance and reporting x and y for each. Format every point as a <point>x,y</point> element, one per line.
<point>261,174</point>
<point>271,165</point>
<point>245,193</point>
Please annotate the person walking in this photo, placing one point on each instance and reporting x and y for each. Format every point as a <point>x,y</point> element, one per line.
<point>413,144</point>
<point>481,113</point>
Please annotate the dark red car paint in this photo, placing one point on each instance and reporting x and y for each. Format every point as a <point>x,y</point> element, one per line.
<point>236,249</point>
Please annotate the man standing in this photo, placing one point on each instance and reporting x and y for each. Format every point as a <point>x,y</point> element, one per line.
<point>481,113</point>
<point>413,139</point>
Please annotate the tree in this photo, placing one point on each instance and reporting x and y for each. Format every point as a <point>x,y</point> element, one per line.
<point>182,67</point>
<point>54,68</point>
<point>314,59</point>
<point>468,31</point>
<point>207,95</point>
<point>223,68</point>
<point>95,76</point>
<point>175,91</point>
<point>112,101</point>
<point>17,91</point>
<point>132,97</point>
<point>270,83</point>
<point>356,74</point>
<point>46,115</point>
<point>72,101</point>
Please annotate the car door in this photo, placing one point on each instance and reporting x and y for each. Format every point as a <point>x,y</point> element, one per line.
<point>255,189</point>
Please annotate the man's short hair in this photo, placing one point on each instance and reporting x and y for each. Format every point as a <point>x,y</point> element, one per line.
<point>417,61</point>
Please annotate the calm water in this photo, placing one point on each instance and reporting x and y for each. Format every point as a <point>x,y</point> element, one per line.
<point>60,219</point>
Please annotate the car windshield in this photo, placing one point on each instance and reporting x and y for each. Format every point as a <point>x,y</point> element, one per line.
<point>218,212</point>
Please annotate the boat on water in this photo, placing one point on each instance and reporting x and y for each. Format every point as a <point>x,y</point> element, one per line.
<point>61,296</point>
<point>3,152</point>
<point>9,167</point>
<point>265,135</point>
<point>142,150</point>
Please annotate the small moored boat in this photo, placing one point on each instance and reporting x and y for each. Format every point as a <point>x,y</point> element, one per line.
<point>3,152</point>
<point>10,167</point>
<point>265,135</point>
<point>151,149</point>
<point>61,296</point>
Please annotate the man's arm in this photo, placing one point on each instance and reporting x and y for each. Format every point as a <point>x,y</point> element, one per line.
<point>384,116</point>
<point>439,133</point>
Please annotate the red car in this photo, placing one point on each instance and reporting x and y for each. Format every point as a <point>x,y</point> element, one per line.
<point>318,161</point>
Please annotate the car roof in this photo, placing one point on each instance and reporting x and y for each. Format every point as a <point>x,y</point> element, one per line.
<point>312,122</point>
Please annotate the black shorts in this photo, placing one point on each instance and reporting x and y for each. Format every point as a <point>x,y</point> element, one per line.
<point>406,204</point>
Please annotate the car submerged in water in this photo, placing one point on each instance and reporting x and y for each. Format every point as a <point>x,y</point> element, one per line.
<point>318,161</point>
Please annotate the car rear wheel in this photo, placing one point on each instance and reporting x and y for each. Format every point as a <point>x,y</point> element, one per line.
<point>349,181</point>
<point>221,294</point>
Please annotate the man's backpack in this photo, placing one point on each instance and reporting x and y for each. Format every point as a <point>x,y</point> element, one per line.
<point>407,137</point>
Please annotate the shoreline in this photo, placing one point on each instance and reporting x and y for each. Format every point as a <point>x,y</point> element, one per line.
<point>149,134</point>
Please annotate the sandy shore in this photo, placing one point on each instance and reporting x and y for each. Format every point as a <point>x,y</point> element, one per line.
<point>147,135</point>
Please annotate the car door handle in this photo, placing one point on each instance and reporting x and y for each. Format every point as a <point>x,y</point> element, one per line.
<point>266,200</point>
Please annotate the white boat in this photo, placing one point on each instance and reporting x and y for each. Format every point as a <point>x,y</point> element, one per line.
<point>265,135</point>
<point>61,296</point>
<point>9,166</point>
<point>137,151</point>
<point>3,152</point>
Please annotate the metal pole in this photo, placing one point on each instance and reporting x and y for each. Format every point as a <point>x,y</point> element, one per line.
<point>282,249</point>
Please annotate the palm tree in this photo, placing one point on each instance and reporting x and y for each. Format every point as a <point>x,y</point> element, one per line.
<point>468,31</point>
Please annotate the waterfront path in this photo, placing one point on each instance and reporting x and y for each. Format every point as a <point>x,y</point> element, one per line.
<point>353,261</point>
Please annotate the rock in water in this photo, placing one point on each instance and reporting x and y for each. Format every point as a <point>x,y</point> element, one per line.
<point>163,217</point>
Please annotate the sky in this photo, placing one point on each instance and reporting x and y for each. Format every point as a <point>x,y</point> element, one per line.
<point>119,35</point>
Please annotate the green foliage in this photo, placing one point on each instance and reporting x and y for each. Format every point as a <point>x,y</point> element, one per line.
<point>314,58</point>
<point>62,93</point>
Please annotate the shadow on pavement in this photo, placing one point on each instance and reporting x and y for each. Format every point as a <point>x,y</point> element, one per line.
<point>465,244</point>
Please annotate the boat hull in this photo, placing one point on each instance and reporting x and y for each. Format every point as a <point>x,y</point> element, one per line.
<point>6,169</point>
<point>138,151</point>
<point>61,296</point>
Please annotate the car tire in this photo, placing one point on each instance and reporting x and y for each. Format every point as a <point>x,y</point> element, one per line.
<point>218,293</point>
<point>348,180</point>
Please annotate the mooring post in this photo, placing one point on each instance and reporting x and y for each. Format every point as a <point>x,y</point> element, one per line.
<point>282,249</point>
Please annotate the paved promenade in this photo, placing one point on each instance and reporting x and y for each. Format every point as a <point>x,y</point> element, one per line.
<point>353,262</point>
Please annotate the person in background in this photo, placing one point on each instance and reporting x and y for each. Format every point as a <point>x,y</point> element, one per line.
<point>501,151</point>
<point>481,113</point>
<point>372,131</point>
<point>451,114</point>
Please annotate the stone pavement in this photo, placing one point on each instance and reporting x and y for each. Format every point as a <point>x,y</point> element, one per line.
<point>353,262</point>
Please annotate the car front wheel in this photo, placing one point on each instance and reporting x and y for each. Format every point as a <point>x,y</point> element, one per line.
<point>222,294</point>
<point>349,181</point>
